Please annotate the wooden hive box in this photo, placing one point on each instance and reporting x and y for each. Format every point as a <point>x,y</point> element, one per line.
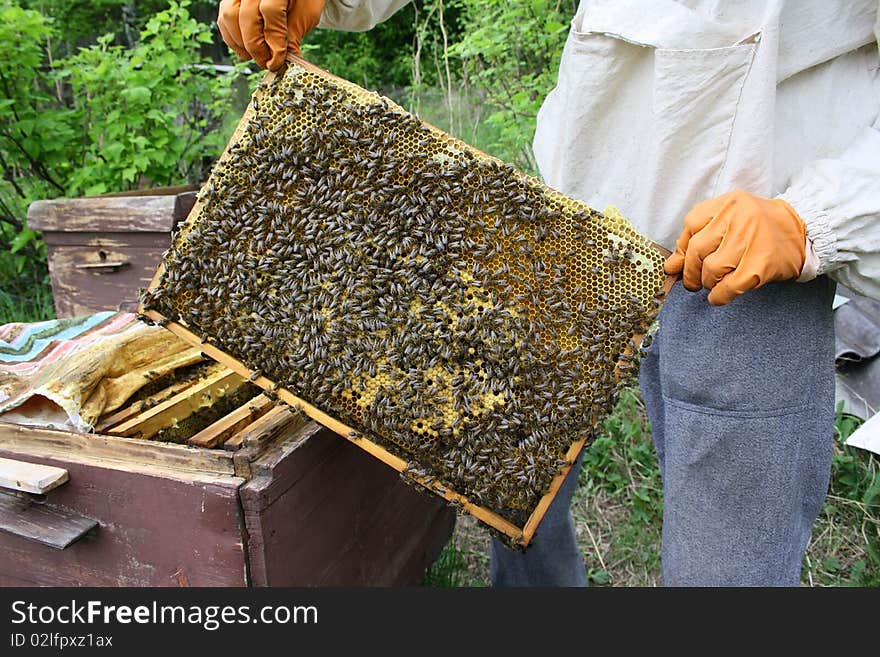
<point>102,249</point>
<point>259,497</point>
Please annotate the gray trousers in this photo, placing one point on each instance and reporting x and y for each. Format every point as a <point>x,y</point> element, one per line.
<point>553,558</point>
<point>741,404</point>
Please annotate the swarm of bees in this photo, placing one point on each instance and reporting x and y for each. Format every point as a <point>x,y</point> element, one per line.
<point>466,317</point>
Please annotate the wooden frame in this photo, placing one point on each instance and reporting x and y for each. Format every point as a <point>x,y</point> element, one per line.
<point>147,424</point>
<point>521,535</point>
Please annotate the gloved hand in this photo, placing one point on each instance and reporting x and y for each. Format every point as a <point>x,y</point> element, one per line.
<point>738,242</point>
<point>266,30</point>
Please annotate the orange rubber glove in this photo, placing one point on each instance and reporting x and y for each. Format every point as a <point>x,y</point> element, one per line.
<point>738,242</point>
<point>266,30</point>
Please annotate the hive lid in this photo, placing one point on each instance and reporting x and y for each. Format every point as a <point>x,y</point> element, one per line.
<point>154,211</point>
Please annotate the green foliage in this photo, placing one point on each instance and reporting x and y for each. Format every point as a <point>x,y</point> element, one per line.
<point>845,549</point>
<point>448,571</point>
<point>32,128</point>
<point>107,118</point>
<point>380,58</point>
<point>150,115</point>
<point>620,468</point>
<point>510,51</point>
<point>81,22</point>
<point>851,477</point>
<point>30,302</point>
<point>29,163</point>
<point>621,461</point>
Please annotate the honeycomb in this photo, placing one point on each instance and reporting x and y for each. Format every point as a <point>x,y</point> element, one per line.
<point>467,318</point>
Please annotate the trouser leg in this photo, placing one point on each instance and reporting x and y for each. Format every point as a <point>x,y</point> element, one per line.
<point>741,403</point>
<point>553,557</point>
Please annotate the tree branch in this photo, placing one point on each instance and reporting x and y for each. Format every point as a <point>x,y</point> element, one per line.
<point>37,166</point>
<point>9,176</point>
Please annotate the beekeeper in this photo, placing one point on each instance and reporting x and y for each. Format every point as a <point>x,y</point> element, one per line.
<point>744,136</point>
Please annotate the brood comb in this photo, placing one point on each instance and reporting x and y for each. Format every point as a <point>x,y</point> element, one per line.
<point>451,315</point>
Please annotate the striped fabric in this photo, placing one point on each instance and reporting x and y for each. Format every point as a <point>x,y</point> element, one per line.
<point>67,373</point>
<point>34,343</point>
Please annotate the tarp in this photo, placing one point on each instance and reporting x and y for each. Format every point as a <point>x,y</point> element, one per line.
<point>857,353</point>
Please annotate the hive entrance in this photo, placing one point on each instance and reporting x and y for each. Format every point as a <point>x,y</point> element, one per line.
<point>462,318</point>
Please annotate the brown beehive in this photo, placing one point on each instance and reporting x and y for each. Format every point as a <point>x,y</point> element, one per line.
<point>456,318</point>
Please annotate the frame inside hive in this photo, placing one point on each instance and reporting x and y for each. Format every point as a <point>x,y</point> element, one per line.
<point>517,533</point>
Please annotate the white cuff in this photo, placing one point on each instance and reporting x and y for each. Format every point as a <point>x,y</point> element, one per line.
<point>811,263</point>
<point>820,237</point>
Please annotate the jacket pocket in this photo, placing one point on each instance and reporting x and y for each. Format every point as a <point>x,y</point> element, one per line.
<point>641,124</point>
<point>695,104</point>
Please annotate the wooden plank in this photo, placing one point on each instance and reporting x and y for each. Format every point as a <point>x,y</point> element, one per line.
<point>267,428</point>
<point>222,429</point>
<point>42,523</point>
<point>168,190</point>
<point>113,451</point>
<point>109,421</point>
<point>183,204</point>
<point>156,529</point>
<point>540,510</point>
<point>138,214</point>
<point>30,478</point>
<point>180,406</point>
<point>107,240</point>
<point>266,465</point>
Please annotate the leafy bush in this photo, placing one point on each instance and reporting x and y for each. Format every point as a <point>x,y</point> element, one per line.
<point>845,547</point>
<point>106,118</point>
<point>380,58</point>
<point>510,51</point>
<point>31,133</point>
<point>156,114</point>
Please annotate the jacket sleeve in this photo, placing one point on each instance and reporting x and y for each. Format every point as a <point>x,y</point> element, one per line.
<point>357,15</point>
<point>839,201</point>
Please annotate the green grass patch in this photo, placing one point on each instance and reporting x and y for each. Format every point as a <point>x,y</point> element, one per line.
<point>26,294</point>
<point>844,549</point>
<point>448,571</point>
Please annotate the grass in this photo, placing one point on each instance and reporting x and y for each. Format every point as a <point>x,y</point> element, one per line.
<point>25,296</point>
<point>618,513</point>
<point>33,305</point>
<point>844,549</point>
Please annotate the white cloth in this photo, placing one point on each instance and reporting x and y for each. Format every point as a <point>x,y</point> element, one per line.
<point>357,15</point>
<point>661,104</point>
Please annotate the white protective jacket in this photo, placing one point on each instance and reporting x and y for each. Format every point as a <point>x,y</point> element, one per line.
<point>661,104</point>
